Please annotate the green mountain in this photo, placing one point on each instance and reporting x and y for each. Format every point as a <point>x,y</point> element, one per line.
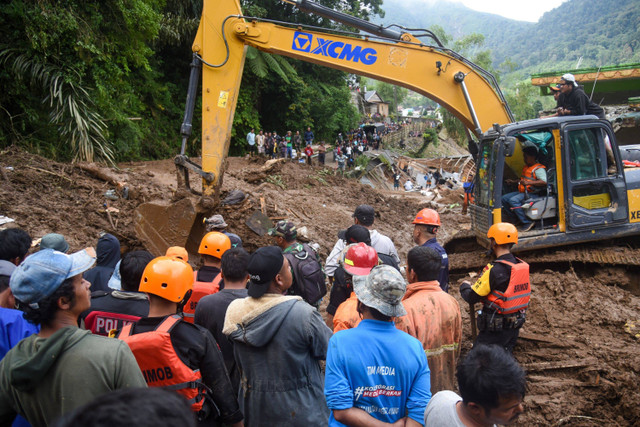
<point>585,32</point>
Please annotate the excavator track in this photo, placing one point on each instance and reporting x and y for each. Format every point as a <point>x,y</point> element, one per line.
<point>465,258</point>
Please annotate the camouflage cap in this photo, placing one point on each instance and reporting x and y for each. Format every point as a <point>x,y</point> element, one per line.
<point>382,289</point>
<point>215,222</point>
<point>284,229</point>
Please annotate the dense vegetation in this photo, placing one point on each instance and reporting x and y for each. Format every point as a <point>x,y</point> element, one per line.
<point>108,79</point>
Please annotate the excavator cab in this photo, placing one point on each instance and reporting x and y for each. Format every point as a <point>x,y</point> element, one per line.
<point>585,198</point>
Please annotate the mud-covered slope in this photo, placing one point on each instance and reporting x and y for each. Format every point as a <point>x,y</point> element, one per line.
<point>581,342</point>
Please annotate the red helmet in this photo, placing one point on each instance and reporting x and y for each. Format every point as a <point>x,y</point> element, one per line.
<point>427,217</point>
<point>359,259</point>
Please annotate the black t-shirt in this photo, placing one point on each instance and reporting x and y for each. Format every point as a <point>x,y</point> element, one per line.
<point>579,104</point>
<point>197,349</point>
<point>210,314</point>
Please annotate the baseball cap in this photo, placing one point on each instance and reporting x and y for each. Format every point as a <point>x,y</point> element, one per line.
<point>357,234</point>
<point>42,273</point>
<point>54,241</point>
<point>264,265</point>
<point>382,289</point>
<point>215,222</point>
<point>6,267</point>
<point>365,214</point>
<point>555,87</point>
<point>284,229</point>
<point>569,78</point>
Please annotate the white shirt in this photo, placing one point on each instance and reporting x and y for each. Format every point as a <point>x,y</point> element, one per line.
<point>441,410</point>
<point>381,243</point>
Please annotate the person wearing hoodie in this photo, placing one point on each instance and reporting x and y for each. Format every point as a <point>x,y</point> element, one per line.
<point>62,367</point>
<point>108,250</point>
<point>278,343</point>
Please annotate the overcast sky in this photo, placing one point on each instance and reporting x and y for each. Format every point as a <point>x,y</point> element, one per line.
<point>522,10</point>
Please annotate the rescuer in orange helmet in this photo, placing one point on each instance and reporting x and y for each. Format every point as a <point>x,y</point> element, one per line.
<point>503,289</point>
<point>175,354</point>
<point>207,280</point>
<point>427,224</point>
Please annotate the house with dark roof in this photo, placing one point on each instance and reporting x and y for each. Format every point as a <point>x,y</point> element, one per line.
<point>375,105</point>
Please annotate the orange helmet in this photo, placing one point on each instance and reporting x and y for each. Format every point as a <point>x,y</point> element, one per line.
<point>503,233</point>
<point>168,278</point>
<point>214,244</point>
<point>359,259</point>
<point>178,252</point>
<point>427,217</point>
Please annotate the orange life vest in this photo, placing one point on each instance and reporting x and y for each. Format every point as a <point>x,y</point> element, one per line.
<point>161,366</point>
<point>517,295</point>
<point>529,174</point>
<point>200,290</point>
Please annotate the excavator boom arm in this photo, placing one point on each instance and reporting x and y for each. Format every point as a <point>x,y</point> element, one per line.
<point>436,73</point>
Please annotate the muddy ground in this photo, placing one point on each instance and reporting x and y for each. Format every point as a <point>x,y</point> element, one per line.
<point>581,342</point>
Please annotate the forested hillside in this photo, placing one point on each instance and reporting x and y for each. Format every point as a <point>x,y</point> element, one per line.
<point>108,80</point>
<point>601,33</point>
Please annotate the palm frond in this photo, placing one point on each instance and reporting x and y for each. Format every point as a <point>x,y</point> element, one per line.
<point>70,106</point>
<point>325,88</point>
<point>275,66</point>
<point>256,62</point>
<point>286,66</point>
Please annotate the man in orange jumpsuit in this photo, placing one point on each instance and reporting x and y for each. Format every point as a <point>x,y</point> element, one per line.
<point>433,316</point>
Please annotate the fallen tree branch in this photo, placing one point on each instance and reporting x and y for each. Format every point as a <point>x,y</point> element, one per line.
<point>49,172</point>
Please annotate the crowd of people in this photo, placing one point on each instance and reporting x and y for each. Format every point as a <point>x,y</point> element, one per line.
<point>241,338</point>
<point>300,147</point>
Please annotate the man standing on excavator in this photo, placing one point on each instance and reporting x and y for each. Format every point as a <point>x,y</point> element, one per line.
<point>503,289</point>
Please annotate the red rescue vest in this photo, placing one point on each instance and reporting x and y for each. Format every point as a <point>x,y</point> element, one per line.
<point>161,366</point>
<point>529,174</point>
<point>103,322</point>
<point>517,295</point>
<point>200,290</point>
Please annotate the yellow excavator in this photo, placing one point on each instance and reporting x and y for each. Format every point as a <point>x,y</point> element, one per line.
<point>589,196</point>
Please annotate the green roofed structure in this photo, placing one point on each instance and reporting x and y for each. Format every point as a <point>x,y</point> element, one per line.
<point>613,84</point>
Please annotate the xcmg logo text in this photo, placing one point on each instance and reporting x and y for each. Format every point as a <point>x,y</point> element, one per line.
<point>304,42</point>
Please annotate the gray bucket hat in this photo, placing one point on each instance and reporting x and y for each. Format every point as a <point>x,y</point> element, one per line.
<point>215,222</point>
<point>382,289</point>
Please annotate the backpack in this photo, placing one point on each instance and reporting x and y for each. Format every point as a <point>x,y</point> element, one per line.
<point>308,277</point>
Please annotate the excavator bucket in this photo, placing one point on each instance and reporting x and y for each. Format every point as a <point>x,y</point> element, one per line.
<point>161,225</point>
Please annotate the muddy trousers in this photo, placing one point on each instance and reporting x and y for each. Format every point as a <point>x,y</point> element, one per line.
<point>505,338</point>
